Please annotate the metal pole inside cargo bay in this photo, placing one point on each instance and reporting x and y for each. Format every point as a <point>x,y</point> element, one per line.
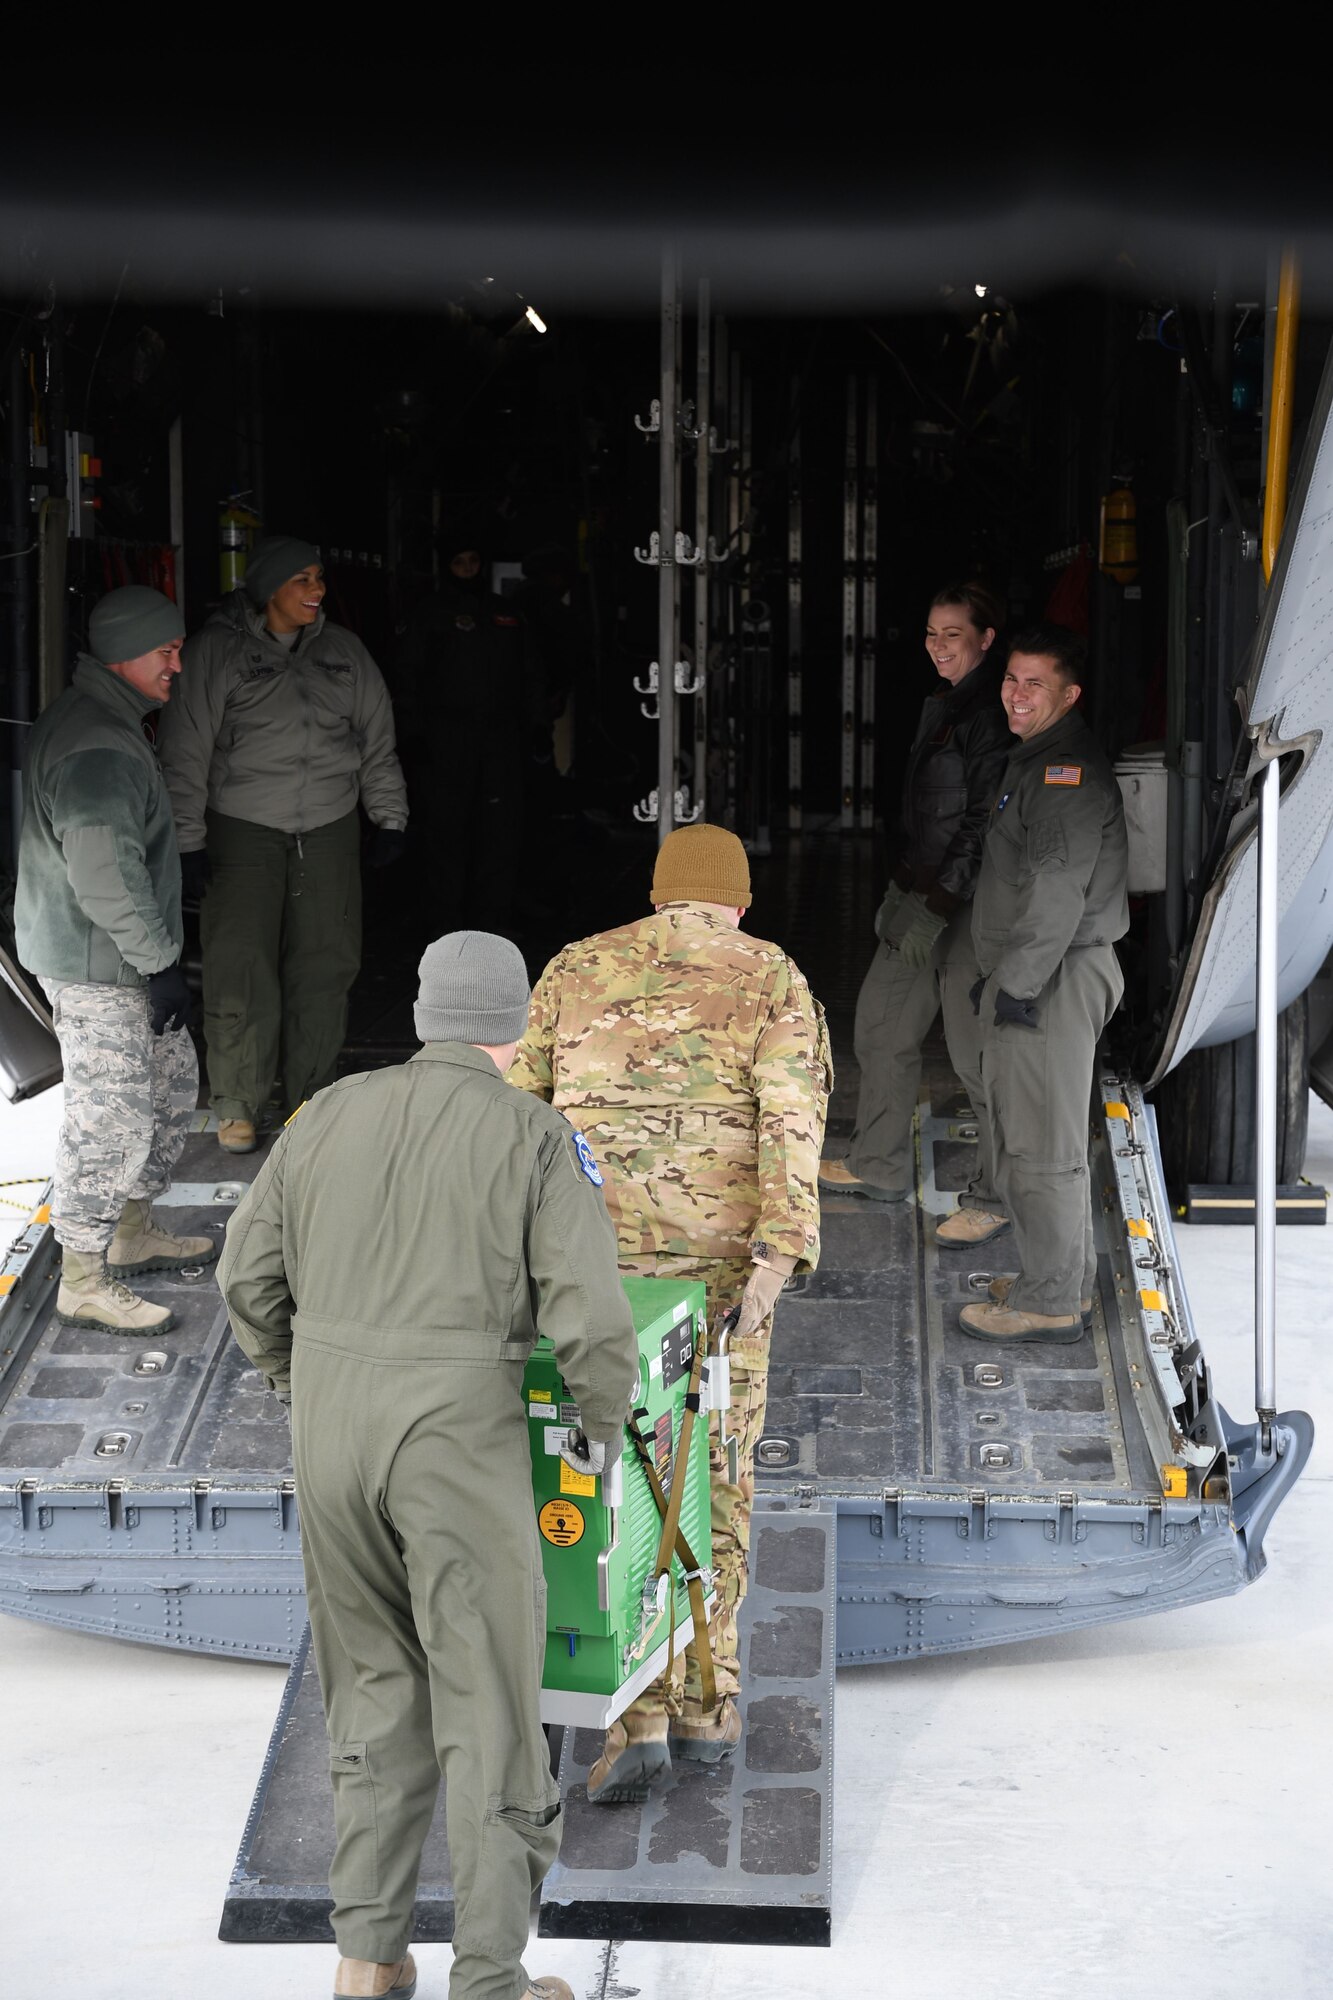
<point>668,444</point>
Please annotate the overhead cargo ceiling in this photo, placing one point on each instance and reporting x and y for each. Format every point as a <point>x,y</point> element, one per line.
<point>780,210</point>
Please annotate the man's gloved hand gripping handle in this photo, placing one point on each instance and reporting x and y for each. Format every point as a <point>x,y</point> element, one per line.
<point>591,1456</point>
<point>760,1295</point>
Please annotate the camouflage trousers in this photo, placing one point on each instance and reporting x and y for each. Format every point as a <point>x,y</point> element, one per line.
<point>129,1096</point>
<point>725,1279</point>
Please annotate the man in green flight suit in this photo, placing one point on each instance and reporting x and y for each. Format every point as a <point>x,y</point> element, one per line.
<point>1049,905</point>
<point>412,1232</point>
<point>697,1060</point>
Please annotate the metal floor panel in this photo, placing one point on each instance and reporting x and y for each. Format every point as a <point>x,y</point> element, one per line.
<point>740,1851</point>
<point>874,1385</point>
<point>81,1404</point>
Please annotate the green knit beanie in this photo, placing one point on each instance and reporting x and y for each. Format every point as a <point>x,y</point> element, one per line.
<point>275,561</point>
<point>132,621</point>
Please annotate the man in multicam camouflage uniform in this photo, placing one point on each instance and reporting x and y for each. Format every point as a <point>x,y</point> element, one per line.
<point>697,1062</point>
<point>97,914</point>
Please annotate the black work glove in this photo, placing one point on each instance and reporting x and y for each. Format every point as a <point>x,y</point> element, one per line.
<point>387,845</point>
<point>168,999</point>
<point>1014,1013</point>
<point>974,993</point>
<point>196,874</point>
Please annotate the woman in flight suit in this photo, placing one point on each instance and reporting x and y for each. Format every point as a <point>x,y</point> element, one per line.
<point>924,959</point>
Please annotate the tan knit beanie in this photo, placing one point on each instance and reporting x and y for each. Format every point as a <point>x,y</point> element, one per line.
<point>702,864</point>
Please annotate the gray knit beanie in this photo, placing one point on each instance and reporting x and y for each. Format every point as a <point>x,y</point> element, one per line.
<point>275,561</point>
<point>132,621</point>
<point>474,988</point>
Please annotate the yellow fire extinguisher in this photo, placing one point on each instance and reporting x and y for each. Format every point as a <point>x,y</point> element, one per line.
<point>236,534</point>
<point>1119,551</point>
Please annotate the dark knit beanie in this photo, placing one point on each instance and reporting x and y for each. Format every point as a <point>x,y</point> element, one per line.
<point>702,864</point>
<point>132,621</point>
<point>474,988</point>
<point>275,561</point>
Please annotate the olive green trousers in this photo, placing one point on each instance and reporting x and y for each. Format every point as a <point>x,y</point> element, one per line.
<point>895,1011</point>
<point>280,925</point>
<point>428,1617</point>
<point>1038,1085</point>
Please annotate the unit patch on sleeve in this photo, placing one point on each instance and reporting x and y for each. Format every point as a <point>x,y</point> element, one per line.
<point>586,1160</point>
<point>1064,774</point>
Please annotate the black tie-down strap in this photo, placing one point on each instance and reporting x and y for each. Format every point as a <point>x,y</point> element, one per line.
<point>672,1540</point>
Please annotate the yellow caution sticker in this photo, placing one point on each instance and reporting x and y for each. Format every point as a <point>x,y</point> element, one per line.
<point>1114,1110</point>
<point>561,1522</point>
<point>539,1395</point>
<point>1175,1482</point>
<point>1136,1228</point>
<point>42,1215</point>
<point>7,1283</point>
<point>576,1482</point>
<point>1152,1302</point>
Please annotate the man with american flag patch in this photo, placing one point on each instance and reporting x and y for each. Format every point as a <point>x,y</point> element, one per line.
<point>1050,903</point>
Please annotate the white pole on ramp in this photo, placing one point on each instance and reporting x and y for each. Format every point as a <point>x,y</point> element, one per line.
<point>1265,1108</point>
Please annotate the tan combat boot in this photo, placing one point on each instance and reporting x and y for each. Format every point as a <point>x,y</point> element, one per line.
<point>549,1989</point>
<point>999,1323</point>
<point>237,1135</point>
<point>836,1177</point>
<point>970,1226</point>
<point>706,1739</point>
<point>634,1752</point>
<point>366,1980</point>
<point>1000,1288</point>
<point>90,1296</point>
<point>140,1244</point>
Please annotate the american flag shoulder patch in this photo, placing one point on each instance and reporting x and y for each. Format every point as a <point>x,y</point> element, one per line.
<point>1064,774</point>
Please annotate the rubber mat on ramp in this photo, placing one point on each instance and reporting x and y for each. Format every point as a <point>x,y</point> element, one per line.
<point>739,1852</point>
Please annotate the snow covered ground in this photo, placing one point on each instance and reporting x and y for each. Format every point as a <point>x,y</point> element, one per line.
<point>1126,1812</point>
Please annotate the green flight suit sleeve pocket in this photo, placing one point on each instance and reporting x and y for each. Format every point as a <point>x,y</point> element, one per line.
<point>355,1817</point>
<point>1047,845</point>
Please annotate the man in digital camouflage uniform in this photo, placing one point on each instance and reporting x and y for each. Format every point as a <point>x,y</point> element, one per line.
<point>410,1235</point>
<point>97,915</point>
<point>1049,906</point>
<point>697,1062</point>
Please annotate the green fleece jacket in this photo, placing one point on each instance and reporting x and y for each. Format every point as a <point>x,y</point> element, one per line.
<point>287,739</point>
<point>99,877</point>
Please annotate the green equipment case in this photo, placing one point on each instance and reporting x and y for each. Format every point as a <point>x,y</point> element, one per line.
<point>606,1617</point>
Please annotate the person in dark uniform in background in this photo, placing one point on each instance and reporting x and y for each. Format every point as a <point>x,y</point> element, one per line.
<point>925,920</point>
<point>1050,904</point>
<point>468,687</point>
